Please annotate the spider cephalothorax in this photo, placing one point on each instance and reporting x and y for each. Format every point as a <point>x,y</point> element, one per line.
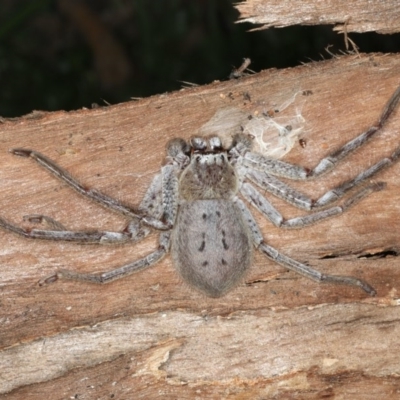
<point>209,174</point>
<point>196,202</point>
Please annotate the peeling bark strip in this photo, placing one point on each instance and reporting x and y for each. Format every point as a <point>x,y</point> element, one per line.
<point>277,334</point>
<point>352,16</point>
<point>181,358</point>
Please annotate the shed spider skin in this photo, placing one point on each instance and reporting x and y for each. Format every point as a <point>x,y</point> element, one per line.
<point>196,204</point>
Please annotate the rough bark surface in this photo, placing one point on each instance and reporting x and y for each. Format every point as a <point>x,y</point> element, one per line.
<point>350,16</point>
<point>150,336</point>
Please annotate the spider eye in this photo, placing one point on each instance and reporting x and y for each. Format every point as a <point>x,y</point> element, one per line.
<point>215,143</point>
<point>198,144</point>
<point>176,146</point>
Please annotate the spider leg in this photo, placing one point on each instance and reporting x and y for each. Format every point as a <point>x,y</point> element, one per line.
<point>160,204</point>
<point>295,172</point>
<point>151,206</point>
<point>161,199</point>
<point>329,162</point>
<point>340,190</point>
<point>313,274</point>
<point>254,197</point>
<point>93,194</point>
<point>292,264</point>
<point>125,270</point>
<point>170,194</point>
<point>132,233</point>
<point>280,189</point>
<point>151,203</point>
<point>300,200</point>
<point>63,175</point>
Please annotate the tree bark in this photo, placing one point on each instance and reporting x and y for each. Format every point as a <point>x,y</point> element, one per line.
<point>348,16</point>
<point>149,335</point>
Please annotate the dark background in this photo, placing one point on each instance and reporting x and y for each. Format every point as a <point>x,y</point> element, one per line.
<point>67,54</point>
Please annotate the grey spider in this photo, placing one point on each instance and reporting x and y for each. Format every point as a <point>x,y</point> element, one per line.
<point>194,202</point>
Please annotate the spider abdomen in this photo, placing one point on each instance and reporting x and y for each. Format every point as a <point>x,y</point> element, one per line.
<point>211,245</point>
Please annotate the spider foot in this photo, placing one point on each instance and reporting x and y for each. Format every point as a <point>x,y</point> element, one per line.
<point>50,279</point>
<point>43,219</point>
<point>21,152</point>
<point>349,280</point>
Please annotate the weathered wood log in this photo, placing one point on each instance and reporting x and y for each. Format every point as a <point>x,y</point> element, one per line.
<point>277,334</point>
<point>348,16</point>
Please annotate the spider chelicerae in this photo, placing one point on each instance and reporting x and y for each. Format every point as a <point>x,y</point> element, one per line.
<point>194,202</point>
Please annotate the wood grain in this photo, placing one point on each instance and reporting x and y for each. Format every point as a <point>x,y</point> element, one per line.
<point>277,334</point>
<point>350,16</point>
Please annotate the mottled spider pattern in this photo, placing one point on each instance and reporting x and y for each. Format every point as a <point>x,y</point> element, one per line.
<point>198,202</point>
